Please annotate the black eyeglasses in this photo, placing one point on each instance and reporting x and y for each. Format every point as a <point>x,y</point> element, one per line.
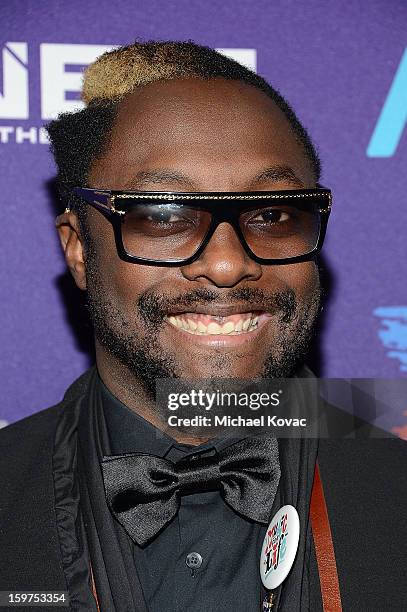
<point>172,229</point>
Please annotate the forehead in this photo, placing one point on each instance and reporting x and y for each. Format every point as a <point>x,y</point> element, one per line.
<point>201,125</point>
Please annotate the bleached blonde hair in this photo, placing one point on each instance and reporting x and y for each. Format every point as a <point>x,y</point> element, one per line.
<point>117,72</point>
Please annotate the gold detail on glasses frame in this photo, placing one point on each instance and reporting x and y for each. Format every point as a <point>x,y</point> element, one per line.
<point>171,197</point>
<point>180,197</point>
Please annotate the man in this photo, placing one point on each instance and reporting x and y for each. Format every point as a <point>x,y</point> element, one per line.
<point>220,280</point>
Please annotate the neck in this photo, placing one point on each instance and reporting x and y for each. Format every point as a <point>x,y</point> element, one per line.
<point>130,391</point>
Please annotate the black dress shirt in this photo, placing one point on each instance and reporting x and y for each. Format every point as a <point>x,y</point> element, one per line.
<point>207,558</point>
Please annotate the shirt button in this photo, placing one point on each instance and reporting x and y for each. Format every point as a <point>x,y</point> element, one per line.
<point>193,560</point>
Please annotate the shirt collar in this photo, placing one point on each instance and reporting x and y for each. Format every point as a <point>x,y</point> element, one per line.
<point>129,433</point>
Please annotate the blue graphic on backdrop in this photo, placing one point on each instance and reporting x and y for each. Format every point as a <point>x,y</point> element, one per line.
<point>394,332</point>
<point>393,117</point>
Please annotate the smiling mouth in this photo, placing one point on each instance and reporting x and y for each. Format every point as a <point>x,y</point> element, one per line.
<point>199,324</point>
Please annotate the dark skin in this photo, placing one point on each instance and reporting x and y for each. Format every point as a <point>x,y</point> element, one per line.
<point>217,135</point>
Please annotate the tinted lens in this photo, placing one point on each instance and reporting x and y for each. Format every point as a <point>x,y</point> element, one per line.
<point>164,231</point>
<point>280,231</point>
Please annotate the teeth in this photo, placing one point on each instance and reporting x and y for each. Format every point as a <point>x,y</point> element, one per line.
<point>228,327</point>
<point>239,326</point>
<point>253,323</point>
<point>213,328</point>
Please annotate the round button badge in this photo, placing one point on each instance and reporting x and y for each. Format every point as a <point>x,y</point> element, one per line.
<point>279,547</point>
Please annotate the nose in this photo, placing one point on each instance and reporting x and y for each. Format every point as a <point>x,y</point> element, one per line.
<point>224,262</point>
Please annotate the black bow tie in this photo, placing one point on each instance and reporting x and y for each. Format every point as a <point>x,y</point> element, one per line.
<point>143,491</point>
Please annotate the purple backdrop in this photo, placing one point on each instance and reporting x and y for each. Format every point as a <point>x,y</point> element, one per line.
<point>342,67</point>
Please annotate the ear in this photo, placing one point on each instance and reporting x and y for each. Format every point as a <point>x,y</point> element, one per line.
<point>67,225</point>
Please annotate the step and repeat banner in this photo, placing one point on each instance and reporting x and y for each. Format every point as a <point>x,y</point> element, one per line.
<point>341,65</point>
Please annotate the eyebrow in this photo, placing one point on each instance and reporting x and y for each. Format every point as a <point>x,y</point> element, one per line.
<point>145,177</point>
<point>278,173</point>
<point>272,174</point>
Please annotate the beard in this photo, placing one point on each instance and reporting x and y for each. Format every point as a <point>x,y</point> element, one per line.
<point>145,359</point>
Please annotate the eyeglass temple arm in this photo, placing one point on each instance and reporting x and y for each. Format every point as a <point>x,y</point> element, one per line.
<point>103,200</point>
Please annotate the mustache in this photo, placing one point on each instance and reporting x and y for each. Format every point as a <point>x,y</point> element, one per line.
<point>153,307</point>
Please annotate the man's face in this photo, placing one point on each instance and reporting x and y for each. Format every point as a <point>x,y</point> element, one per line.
<point>195,135</point>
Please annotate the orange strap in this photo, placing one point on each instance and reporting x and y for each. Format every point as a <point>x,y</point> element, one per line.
<point>95,595</point>
<point>324,549</point>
